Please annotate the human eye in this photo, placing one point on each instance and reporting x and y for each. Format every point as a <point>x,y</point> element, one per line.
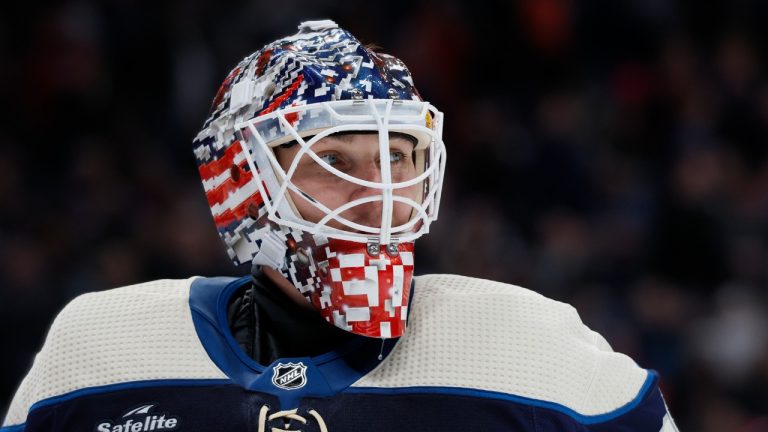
<point>329,158</point>
<point>396,157</point>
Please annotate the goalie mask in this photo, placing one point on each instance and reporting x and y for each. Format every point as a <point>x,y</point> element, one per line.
<point>319,159</point>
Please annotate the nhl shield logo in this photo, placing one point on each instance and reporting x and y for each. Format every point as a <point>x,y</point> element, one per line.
<point>289,376</point>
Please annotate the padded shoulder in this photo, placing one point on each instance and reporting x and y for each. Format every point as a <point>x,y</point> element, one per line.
<point>478,334</point>
<point>135,333</point>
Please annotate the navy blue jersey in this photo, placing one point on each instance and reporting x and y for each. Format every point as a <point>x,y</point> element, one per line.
<point>478,355</point>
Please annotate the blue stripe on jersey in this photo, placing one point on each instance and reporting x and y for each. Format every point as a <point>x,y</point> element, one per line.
<point>16,428</point>
<point>229,407</point>
<point>207,300</point>
<point>126,386</point>
<point>581,418</point>
<point>326,374</point>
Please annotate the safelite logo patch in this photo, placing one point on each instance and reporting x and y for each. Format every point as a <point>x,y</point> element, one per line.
<point>289,376</point>
<point>140,419</point>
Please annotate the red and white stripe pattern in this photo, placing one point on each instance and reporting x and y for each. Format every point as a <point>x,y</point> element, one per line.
<point>230,188</point>
<point>367,295</point>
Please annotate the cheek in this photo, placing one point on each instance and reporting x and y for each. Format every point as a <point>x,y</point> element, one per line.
<point>411,192</point>
<point>402,211</point>
<point>329,197</point>
<point>307,211</point>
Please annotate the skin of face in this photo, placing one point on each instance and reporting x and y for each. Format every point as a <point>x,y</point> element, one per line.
<point>356,154</point>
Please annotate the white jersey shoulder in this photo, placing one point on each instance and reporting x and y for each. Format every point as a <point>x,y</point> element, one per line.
<point>478,334</point>
<point>135,333</point>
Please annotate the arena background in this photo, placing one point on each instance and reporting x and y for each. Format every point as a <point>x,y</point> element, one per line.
<point>618,164</point>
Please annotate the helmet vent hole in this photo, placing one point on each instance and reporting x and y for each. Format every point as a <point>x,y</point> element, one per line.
<point>269,91</point>
<point>234,172</point>
<point>253,211</point>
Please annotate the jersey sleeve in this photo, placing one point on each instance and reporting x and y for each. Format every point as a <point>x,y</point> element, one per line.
<point>137,333</point>
<point>33,386</point>
<point>646,413</point>
<point>534,354</point>
<point>643,413</point>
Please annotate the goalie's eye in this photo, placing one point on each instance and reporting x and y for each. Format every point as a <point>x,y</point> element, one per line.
<point>329,158</point>
<point>396,156</point>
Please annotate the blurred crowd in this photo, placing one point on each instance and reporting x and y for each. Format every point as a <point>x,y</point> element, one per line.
<point>613,155</point>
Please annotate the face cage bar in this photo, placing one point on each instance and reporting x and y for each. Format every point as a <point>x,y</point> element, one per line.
<point>279,206</point>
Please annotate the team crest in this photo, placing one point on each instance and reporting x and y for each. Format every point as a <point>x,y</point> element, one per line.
<point>289,376</point>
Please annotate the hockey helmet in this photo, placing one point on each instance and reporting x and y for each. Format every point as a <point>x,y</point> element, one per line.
<point>296,92</point>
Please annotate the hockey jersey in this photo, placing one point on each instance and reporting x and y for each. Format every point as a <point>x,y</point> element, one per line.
<point>478,355</point>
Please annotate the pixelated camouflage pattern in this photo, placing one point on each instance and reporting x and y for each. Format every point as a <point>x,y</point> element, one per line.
<point>321,63</point>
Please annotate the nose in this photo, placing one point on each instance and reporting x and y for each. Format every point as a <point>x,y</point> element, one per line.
<point>367,213</point>
<point>371,172</point>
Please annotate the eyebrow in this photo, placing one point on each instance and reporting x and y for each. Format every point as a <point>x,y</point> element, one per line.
<point>346,136</point>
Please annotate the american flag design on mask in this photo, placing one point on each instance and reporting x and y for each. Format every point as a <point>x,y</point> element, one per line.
<point>321,63</point>
<point>280,90</point>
